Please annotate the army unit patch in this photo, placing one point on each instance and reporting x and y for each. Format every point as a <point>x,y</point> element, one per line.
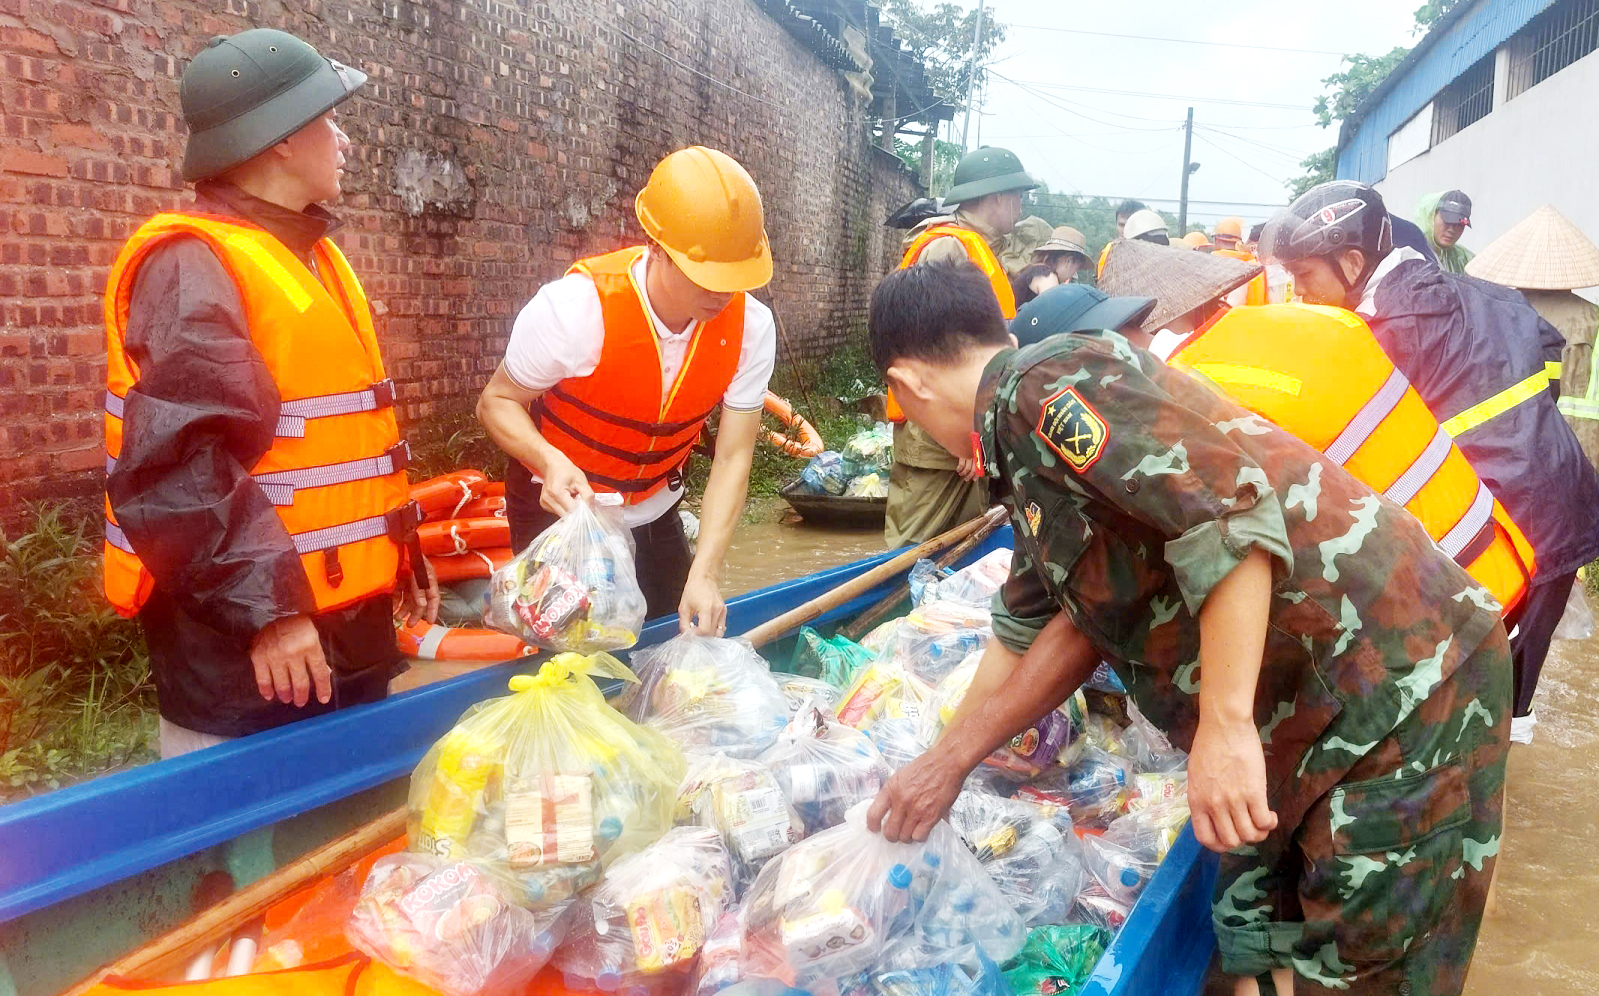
<point>1035,517</point>
<point>1072,429</point>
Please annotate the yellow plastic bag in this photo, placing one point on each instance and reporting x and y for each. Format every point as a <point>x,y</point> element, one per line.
<point>547,785</point>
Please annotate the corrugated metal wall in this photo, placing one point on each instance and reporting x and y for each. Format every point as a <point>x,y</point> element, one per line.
<point>1479,32</point>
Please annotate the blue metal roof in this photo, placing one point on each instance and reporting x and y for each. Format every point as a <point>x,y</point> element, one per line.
<point>1465,35</point>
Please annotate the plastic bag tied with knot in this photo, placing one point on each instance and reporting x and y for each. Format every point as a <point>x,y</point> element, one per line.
<point>575,587</point>
<point>547,785</point>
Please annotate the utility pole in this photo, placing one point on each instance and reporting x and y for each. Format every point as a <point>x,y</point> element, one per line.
<point>1188,170</point>
<point>971,78</point>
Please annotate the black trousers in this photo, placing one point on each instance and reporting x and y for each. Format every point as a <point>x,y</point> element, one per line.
<point>1535,620</point>
<point>663,556</point>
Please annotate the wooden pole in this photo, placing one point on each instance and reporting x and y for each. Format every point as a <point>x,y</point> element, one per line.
<point>872,616</point>
<point>797,617</point>
<point>170,951</point>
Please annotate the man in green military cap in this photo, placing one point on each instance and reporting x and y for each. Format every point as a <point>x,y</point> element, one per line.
<point>931,489</point>
<point>1342,687</point>
<point>259,516</point>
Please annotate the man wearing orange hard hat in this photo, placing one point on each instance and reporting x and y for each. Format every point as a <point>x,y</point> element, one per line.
<point>1229,234</point>
<point>612,371</point>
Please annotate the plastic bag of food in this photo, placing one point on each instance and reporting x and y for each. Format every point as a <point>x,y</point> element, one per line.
<point>799,690</point>
<point>825,474</point>
<point>547,785</point>
<point>709,694</point>
<point>1035,862</point>
<point>966,972</point>
<point>1096,906</point>
<point>870,451</point>
<point>741,960</point>
<point>575,587</point>
<point>835,901</point>
<point>1057,960</point>
<point>974,584</point>
<point>923,581</point>
<point>936,637</point>
<point>884,690</point>
<point>742,801</point>
<point>1120,871</point>
<point>456,926</point>
<point>835,661</point>
<point>824,768</point>
<point>898,740</point>
<point>867,486</point>
<point>1094,789</point>
<point>649,916</point>
<point>1029,753</point>
<point>1150,831</point>
<point>1149,748</point>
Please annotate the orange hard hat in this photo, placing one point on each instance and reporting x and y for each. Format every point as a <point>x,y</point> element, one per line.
<point>1230,226</point>
<point>1196,239</point>
<point>702,207</point>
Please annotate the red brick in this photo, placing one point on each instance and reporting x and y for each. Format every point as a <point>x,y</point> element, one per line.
<point>82,136</point>
<point>87,458</point>
<point>27,161</point>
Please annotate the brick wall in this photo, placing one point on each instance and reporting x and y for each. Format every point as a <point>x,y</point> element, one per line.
<point>495,142</point>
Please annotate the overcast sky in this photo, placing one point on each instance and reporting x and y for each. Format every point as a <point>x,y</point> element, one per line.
<point>1079,140</point>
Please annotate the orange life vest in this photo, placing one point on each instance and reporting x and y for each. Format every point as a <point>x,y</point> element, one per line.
<point>1258,290</point>
<point>1320,374</point>
<point>336,471</point>
<point>982,257</point>
<point>617,425</point>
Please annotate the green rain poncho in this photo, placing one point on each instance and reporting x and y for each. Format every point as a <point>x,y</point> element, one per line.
<point>1452,259</point>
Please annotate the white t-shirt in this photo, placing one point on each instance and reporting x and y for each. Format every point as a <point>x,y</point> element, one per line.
<point>560,333</point>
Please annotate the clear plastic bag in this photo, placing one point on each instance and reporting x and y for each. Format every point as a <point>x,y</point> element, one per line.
<point>1036,863</point>
<point>1120,871</point>
<point>799,689</point>
<point>870,451</point>
<point>935,638</point>
<point>1094,788</point>
<point>898,740</point>
<point>923,581</point>
<point>1150,832</point>
<point>1057,960</point>
<point>1029,753</point>
<point>1149,748</point>
<point>1577,621</point>
<point>453,925</point>
<point>883,690</point>
<point>646,922</point>
<point>974,584</point>
<point>742,801</point>
<point>824,768</point>
<point>835,661</point>
<point>966,972</point>
<point>1096,906</point>
<point>546,785</point>
<point>867,486</point>
<point>574,588</point>
<point>709,694</point>
<point>825,475</point>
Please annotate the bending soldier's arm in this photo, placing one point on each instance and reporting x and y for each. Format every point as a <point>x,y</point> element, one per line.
<point>204,410</point>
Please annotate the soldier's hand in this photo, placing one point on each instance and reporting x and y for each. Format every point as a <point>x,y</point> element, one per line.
<point>968,470</point>
<point>1227,785</point>
<point>288,661</point>
<point>564,486</point>
<point>916,798</point>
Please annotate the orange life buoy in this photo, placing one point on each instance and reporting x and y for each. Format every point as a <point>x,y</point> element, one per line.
<point>449,643</point>
<point>487,506</point>
<point>806,441</point>
<point>447,536</point>
<point>440,495</point>
<point>470,565</point>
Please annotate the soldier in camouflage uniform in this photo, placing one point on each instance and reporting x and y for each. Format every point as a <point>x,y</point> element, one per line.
<point>1360,811</point>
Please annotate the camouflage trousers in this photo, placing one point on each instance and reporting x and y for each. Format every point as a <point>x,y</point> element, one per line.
<point>1381,887</point>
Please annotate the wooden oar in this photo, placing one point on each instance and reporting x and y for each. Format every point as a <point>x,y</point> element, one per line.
<point>799,616</point>
<point>169,952</point>
<point>874,615</point>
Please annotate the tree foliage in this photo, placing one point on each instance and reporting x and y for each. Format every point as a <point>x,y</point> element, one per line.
<point>941,35</point>
<point>1318,169</point>
<point>946,156</point>
<point>1431,12</point>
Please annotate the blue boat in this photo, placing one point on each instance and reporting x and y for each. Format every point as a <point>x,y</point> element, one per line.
<point>90,872</point>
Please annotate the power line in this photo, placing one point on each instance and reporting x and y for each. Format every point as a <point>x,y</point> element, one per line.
<point>1218,147</point>
<point>1168,96</point>
<point>1056,102</point>
<point>1178,41</point>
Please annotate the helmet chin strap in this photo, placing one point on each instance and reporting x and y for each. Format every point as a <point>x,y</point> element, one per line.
<point>1353,288</point>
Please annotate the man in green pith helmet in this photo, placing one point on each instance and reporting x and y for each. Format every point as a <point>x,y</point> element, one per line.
<point>931,489</point>
<point>258,515</point>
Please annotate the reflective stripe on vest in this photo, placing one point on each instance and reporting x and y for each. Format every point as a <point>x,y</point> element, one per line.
<point>977,251</point>
<point>336,469</point>
<point>1497,405</point>
<point>1320,374</point>
<point>622,427</point>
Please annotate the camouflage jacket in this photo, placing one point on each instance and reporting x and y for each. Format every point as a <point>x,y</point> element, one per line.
<point>1133,490</point>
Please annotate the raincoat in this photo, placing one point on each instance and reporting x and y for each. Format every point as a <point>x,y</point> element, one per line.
<point>1454,258</point>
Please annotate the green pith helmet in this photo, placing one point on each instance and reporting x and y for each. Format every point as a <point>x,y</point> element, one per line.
<point>248,92</point>
<point>988,170</point>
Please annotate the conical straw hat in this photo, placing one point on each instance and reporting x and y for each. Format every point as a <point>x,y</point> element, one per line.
<point>1179,279</point>
<point>1543,252</point>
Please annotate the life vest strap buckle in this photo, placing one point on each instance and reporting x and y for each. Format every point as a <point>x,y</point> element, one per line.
<point>331,568</point>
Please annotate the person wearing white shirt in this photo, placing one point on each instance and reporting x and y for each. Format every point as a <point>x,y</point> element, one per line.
<point>612,371</point>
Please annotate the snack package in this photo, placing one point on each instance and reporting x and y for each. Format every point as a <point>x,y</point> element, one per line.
<point>1057,960</point>
<point>798,690</point>
<point>650,915</point>
<point>574,588</point>
<point>743,802</point>
<point>824,768</point>
<point>1104,679</point>
<point>1029,754</point>
<point>883,690</point>
<point>825,475</point>
<point>453,925</point>
<point>709,694</point>
<point>870,451</point>
<point>835,901</point>
<point>1036,864</point>
<point>835,661</point>
<point>545,786</point>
